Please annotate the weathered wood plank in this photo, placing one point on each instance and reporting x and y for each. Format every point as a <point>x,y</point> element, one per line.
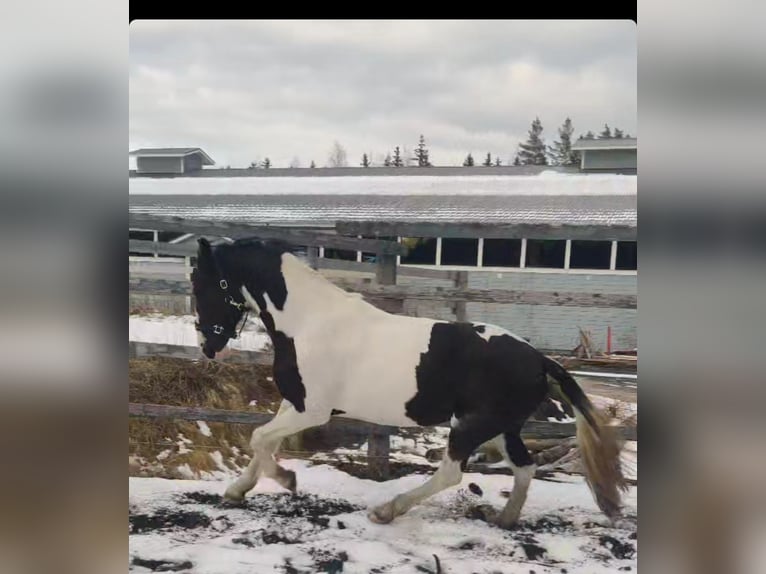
<point>488,231</point>
<point>461,282</point>
<point>343,265</point>
<point>373,291</point>
<point>435,273</point>
<point>553,298</point>
<point>241,230</point>
<point>378,453</point>
<point>140,349</point>
<point>532,429</point>
<point>180,249</point>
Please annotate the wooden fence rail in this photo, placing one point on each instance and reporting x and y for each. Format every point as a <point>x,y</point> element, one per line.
<point>532,429</point>
<point>141,349</point>
<point>239,230</point>
<point>166,286</point>
<point>190,250</point>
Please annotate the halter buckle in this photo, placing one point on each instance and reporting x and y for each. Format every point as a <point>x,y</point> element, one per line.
<point>217,329</point>
<point>224,285</point>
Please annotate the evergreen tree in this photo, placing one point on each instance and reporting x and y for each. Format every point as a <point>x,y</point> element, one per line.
<point>266,163</point>
<point>561,153</point>
<point>421,153</point>
<point>606,133</point>
<point>588,136</point>
<point>488,160</point>
<point>516,160</point>
<point>533,151</point>
<point>468,162</point>
<point>387,161</point>
<point>397,161</point>
<point>618,133</point>
<point>313,165</point>
<point>365,161</point>
<point>254,164</point>
<point>497,161</point>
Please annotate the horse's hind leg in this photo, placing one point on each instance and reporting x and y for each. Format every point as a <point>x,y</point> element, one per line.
<point>265,441</point>
<point>517,456</point>
<point>466,435</point>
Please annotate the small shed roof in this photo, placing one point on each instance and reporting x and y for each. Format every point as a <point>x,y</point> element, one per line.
<point>605,143</point>
<point>173,152</point>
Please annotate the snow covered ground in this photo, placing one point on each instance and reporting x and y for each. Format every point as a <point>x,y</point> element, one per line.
<point>181,524</point>
<point>179,330</point>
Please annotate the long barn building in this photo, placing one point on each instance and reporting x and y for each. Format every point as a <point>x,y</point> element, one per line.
<point>549,231</point>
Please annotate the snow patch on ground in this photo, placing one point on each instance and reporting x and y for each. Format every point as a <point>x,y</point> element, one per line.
<point>179,330</point>
<point>182,521</point>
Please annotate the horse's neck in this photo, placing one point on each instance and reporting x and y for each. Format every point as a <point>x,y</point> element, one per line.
<point>311,299</point>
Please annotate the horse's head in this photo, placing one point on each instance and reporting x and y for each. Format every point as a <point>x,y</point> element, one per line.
<point>218,282</point>
<point>219,303</point>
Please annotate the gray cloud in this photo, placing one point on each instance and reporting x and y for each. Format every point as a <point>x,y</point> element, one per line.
<point>245,90</point>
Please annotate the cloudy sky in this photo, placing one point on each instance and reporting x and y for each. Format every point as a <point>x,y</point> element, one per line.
<point>287,90</point>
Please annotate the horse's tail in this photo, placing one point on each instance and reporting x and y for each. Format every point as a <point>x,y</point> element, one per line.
<point>599,447</point>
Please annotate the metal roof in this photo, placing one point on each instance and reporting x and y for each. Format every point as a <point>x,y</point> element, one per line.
<point>605,143</point>
<point>326,210</point>
<point>173,152</point>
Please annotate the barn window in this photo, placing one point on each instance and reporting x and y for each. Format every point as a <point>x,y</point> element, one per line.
<point>590,254</point>
<point>546,253</point>
<point>460,251</point>
<point>346,255</point>
<point>502,253</point>
<point>627,255</point>
<point>421,250</point>
<point>141,235</point>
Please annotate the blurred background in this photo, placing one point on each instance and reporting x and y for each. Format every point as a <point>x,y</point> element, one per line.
<point>702,221</point>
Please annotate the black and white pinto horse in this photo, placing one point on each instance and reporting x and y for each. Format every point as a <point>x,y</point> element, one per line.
<point>334,353</point>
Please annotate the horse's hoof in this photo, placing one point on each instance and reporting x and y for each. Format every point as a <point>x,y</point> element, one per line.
<point>232,499</point>
<point>382,514</point>
<point>291,483</point>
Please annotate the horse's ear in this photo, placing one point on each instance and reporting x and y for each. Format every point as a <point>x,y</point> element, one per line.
<point>204,254</point>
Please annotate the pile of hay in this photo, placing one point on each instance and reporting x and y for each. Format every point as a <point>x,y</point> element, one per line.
<point>183,449</point>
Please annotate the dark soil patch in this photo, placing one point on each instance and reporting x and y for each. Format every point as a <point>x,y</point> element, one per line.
<point>286,505</point>
<point>328,562</point>
<point>396,470</point>
<point>167,520</point>
<point>163,565</point>
<point>620,550</point>
<point>276,538</point>
<point>476,489</point>
<point>547,524</point>
<point>533,551</point>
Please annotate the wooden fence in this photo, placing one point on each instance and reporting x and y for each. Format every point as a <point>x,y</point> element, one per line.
<point>167,280</point>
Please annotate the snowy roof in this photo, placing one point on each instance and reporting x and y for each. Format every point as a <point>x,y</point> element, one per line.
<point>172,152</point>
<point>605,143</point>
<point>325,209</point>
<point>546,183</point>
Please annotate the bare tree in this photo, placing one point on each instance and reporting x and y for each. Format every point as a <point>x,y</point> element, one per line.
<point>407,158</point>
<point>337,156</point>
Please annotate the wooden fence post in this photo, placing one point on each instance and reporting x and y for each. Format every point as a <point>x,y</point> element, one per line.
<point>313,256</point>
<point>378,451</point>
<point>379,444</point>
<point>461,282</point>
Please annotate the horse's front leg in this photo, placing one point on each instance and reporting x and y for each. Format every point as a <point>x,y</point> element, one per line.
<point>264,443</point>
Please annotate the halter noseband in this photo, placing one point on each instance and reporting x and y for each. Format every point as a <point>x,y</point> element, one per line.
<point>220,329</point>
